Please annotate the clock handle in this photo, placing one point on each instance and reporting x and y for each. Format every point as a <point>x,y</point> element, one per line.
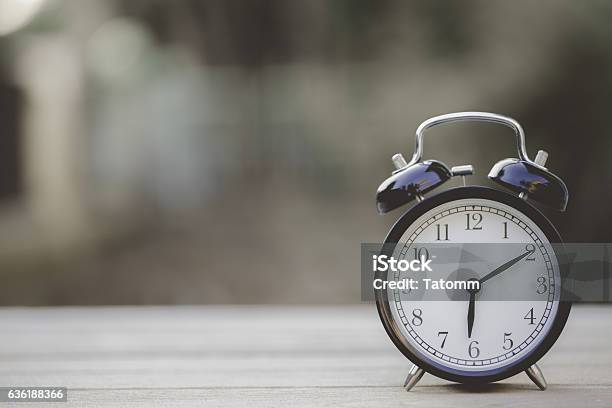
<point>470,117</point>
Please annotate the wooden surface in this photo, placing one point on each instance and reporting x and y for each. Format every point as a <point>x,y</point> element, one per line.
<point>270,356</point>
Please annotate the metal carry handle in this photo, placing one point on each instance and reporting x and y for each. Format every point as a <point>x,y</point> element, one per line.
<point>470,117</point>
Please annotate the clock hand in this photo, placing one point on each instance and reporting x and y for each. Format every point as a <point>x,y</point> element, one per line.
<point>505,266</point>
<point>471,308</point>
<point>470,316</point>
<point>472,292</point>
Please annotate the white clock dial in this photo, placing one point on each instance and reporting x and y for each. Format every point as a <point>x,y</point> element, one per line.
<point>502,331</point>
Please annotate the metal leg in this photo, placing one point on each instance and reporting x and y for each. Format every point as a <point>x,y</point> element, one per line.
<point>414,375</point>
<point>536,376</point>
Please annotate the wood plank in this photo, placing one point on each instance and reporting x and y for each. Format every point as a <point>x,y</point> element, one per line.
<point>447,396</point>
<point>269,356</point>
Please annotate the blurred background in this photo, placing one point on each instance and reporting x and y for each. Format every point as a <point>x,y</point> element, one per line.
<point>209,151</point>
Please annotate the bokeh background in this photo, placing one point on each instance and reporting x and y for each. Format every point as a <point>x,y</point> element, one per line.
<point>210,151</point>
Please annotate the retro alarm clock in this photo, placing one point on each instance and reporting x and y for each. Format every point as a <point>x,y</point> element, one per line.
<point>473,341</point>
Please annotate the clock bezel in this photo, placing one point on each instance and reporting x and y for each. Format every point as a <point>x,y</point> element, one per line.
<point>473,192</point>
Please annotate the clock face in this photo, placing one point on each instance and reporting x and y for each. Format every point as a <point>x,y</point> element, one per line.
<point>499,333</point>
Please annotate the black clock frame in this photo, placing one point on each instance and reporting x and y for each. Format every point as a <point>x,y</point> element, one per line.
<point>417,210</point>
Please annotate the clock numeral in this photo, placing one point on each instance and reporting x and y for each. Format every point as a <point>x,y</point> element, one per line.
<point>420,253</point>
<point>445,334</point>
<point>473,351</point>
<point>442,232</point>
<point>542,288</point>
<point>530,248</point>
<point>417,317</point>
<point>508,343</point>
<point>477,218</point>
<point>529,316</point>
<point>505,230</point>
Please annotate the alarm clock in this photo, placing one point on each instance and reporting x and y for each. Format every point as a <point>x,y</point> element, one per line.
<point>472,340</point>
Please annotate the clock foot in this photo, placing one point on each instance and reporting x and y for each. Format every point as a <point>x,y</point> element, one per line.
<point>414,375</point>
<point>536,376</point>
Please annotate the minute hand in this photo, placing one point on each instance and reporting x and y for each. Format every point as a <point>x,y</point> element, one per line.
<point>504,267</point>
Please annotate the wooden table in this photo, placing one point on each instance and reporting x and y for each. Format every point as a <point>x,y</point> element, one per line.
<point>270,356</point>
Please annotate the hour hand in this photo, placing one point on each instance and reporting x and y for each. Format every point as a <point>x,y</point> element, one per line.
<point>470,316</point>
<point>471,309</point>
